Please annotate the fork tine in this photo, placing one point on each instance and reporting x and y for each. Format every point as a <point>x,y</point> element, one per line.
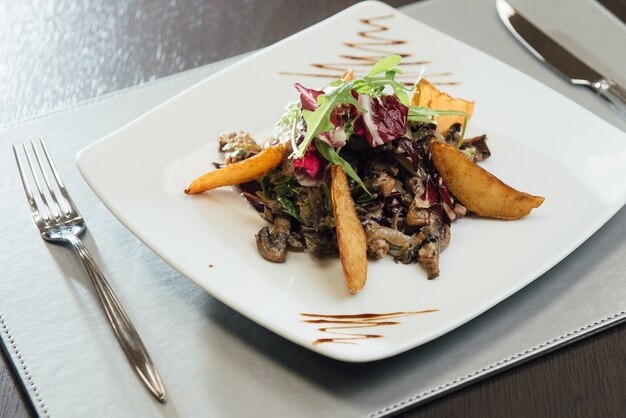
<point>66,196</point>
<point>44,201</point>
<point>27,190</point>
<point>60,211</point>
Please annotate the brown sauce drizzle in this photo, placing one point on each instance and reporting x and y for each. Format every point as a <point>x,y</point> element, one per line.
<point>340,323</point>
<point>373,43</point>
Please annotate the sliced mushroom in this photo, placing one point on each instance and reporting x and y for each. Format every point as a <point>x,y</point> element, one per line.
<point>383,184</point>
<point>428,257</point>
<point>272,243</point>
<point>415,185</point>
<point>295,242</point>
<point>477,148</point>
<point>445,238</point>
<point>319,243</point>
<point>316,199</point>
<point>417,216</point>
<point>459,210</point>
<point>424,246</point>
<point>378,167</point>
<point>454,134</point>
<point>397,239</point>
<point>377,247</point>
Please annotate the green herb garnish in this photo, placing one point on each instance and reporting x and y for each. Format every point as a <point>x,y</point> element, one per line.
<point>380,76</point>
<point>332,155</point>
<point>286,192</point>
<point>288,206</point>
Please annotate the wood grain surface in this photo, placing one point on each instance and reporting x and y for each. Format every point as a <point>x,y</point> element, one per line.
<point>585,379</point>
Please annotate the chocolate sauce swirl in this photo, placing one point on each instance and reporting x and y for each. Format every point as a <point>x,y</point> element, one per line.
<point>347,326</point>
<point>370,50</point>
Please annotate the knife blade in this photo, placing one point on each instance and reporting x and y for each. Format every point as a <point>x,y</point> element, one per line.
<point>564,62</point>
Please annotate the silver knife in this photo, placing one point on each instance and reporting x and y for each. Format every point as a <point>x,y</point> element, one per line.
<point>549,51</point>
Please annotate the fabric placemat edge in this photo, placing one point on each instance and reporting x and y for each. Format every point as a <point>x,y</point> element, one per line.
<point>507,363</point>
<point>20,367</point>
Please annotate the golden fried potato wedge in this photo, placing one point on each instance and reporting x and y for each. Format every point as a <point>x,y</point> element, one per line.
<point>350,234</point>
<point>241,172</point>
<point>348,75</point>
<point>477,189</point>
<point>428,95</point>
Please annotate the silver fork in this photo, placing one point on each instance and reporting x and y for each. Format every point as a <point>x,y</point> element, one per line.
<point>58,219</point>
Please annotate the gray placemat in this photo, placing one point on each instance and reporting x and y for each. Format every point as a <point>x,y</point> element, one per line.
<point>214,361</point>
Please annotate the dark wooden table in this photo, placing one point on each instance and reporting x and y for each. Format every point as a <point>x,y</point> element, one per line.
<point>127,42</point>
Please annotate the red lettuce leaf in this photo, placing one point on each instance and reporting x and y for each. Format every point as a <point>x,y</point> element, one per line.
<point>309,170</point>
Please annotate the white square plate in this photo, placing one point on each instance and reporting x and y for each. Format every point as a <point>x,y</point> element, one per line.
<point>541,143</point>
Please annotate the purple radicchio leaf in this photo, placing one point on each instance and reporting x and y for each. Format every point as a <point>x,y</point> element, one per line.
<point>308,97</point>
<point>337,137</point>
<point>384,121</point>
<point>447,200</point>
<point>429,196</point>
<point>411,150</point>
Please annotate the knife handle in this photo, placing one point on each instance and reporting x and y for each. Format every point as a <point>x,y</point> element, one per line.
<point>612,92</point>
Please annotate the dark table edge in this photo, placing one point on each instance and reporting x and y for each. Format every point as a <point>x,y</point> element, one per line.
<point>565,340</point>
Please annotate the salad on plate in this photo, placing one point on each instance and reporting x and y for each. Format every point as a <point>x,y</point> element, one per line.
<point>365,168</point>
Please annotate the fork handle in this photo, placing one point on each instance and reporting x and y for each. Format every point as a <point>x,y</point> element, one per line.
<point>122,327</point>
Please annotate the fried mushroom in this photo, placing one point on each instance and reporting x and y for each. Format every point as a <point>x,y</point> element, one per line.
<point>272,243</point>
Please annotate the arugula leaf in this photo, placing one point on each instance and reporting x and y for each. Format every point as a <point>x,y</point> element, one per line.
<point>288,206</point>
<point>336,83</point>
<point>420,119</point>
<point>427,111</point>
<point>424,114</point>
<point>286,194</point>
<point>375,87</point>
<point>318,121</point>
<point>373,84</point>
<point>398,88</point>
<point>265,186</point>
<point>287,187</point>
<point>328,204</point>
<point>402,96</point>
<point>462,132</point>
<point>365,200</point>
<point>383,65</point>
<point>331,155</point>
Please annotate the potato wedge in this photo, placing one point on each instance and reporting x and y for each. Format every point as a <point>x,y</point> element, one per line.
<point>429,96</point>
<point>477,189</point>
<point>350,234</point>
<point>241,172</point>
